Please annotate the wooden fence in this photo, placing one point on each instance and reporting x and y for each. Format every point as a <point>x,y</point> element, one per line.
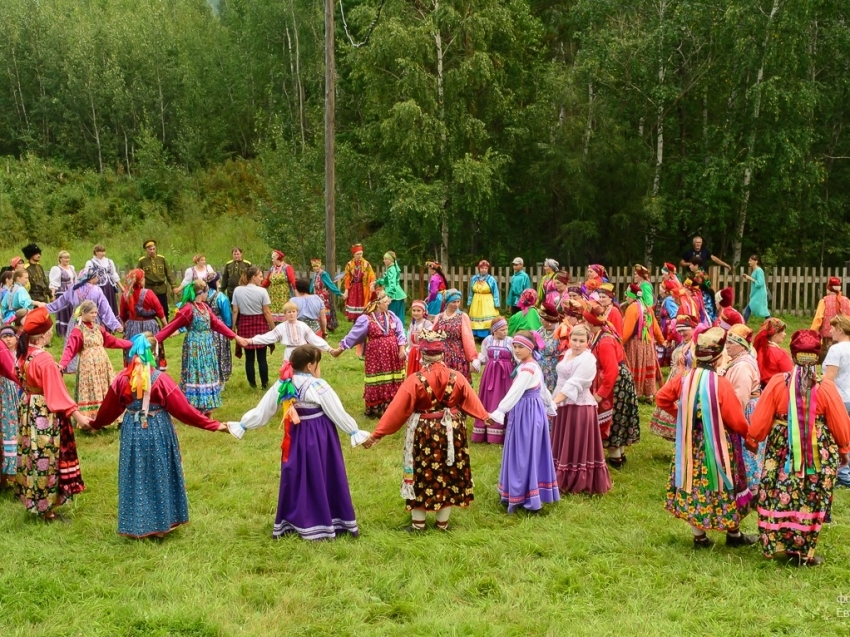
<point>793,290</point>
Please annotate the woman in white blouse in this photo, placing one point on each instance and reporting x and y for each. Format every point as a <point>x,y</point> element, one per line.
<point>61,279</point>
<point>107,276</point>
<point>527,477</point>
<point>200,271</point>
<point>576,438</point>
<point>314,499</point>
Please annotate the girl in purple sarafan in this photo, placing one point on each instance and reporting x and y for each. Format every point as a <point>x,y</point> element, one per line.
<point>498,357</point>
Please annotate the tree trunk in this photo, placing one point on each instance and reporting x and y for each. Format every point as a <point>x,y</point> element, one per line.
<point>330,133</point>
<point>751,142</point>
<point>659,139</point>
<point>299,87</point>
<point>441,107</point>
<point>588,129</point>
<point>96,130</point>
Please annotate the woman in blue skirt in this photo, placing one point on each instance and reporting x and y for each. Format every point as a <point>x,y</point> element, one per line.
<point>527,477</point>
<point>151,492</point>
<point>199,378</point>
<point>314,499</point>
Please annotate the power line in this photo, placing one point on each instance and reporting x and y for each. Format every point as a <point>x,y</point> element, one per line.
<point>368,31</point>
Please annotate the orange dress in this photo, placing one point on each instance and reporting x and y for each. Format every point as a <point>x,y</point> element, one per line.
<point>640,350</point>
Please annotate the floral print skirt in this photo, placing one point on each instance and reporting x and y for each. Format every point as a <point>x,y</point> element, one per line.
<point>625,423</point>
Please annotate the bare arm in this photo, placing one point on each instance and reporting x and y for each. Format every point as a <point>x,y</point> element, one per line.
<point>267,313</point>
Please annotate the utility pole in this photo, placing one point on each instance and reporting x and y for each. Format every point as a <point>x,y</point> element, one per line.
<point>330,132</point>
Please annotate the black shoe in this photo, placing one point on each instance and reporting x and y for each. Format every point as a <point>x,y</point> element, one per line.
<point>265,387</point>
<point>252,385</point>
<point>703,542</point>
<point>799,560</point>
<point>741,540</point>
<point>413,529</point>
<point>616,463</point>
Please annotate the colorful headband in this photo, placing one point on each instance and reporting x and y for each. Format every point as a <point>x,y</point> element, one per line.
<point>432,342</point>
<point>356,248</point>
<point>8,330</point>
<point>420,304</point>
<point>497,325</point>
<point>433,264</point>
<point>389,254</point>
<point>529,344</point>
<point>315,262</point>
<point>563,276</point>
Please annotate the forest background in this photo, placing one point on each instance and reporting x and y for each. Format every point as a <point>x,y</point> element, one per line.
<point>587,130</point>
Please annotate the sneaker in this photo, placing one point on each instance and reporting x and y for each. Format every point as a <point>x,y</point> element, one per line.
<point>741,540</point>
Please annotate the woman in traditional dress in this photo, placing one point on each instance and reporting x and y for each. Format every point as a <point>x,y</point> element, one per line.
<point>89,341</point>
<point>497,356</point>
<point>576,440</point>
<point>419,322</point>
<point>140,310</point>
<point>483,300</point>
<point>701,287</point>
<point>391,282</point>
<point>562,297</point>
<point>48,469</point>
<point>552,349</point>
<point>252,316</point>
<point>640,335</point>
<point>613,388</point>
<point>321,284</point>
<point>612,314</point>
<point>743,372</point>
<point>9,399</point>
<point>434,404</point>
<point>437,286</point>
<point>61,279</point>
<point>314,500</point>
<point>527,477</point>
<point>357,284</point>
<point>199,374</point>
<point>87,288</point>
<point>151,490</point>
<point>666,311</point>
<point>220,306</point>
<point>291,333</point>
<point>708,484</point>
<point>200,271</point>
<point>772,359</point>
<point>594,278</point>
<point>643,279</point>
<point>681,360</point>
<point>546,290</point>
<point>758,292</point>
<point>830,306</point>
<point>279,281</point>
<point>460,343</point>
<point>311,308</point>
<point>807,430</point>
<point>107,276</point>
<point>528,318</point>
<point>383,335</point>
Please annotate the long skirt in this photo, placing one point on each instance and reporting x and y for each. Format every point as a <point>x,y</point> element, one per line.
<point>48,470</point>
<point>701,507</point>
<point>71,367</point>
<point>397,308</point>
<point>643,363</point>
<point>385,372</point>
<point>455,358</point>
<point>355,304</point>
<point>314,499</point>
<point>64,320</point>
<point>494,386</point>
<point>527,477</point>
<point>482,311</point>
<point>414,360</point>
<point>792,508</point>
<point>111,294</point>
<point>437,305</point>
<point>663,424</point>
<point>199,376</point>
<point>435,484</point>
<point>94,376</point>
<point>132,327</point>
<point>9,420</point>
<point>580,464</point>
<point>753,462</point>
<point>625,421</point>
<point>151,492</point>
<point>224,357</point>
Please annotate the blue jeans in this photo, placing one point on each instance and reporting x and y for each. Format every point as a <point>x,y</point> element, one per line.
<point>748,312</point>
<point>844,472</point>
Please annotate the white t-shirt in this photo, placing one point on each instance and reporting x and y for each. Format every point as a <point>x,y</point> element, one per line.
<point>250,299</point>
<point>839,356</point>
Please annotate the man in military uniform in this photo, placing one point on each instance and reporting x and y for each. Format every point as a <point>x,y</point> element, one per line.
<point>233,272</point>
<point>157,274</point>
<point>39,286</point>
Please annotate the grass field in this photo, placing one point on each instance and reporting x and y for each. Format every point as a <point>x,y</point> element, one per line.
<point>616,565</point>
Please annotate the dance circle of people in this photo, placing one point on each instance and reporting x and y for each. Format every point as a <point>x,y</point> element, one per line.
<point>561,379</point>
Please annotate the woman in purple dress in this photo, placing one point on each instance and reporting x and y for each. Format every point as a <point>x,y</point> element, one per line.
<point>527,478</point>
<point>497,354</point>
<point>314,499</point>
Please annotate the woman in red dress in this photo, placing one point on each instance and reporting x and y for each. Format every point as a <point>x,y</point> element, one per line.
<point>772,359</point>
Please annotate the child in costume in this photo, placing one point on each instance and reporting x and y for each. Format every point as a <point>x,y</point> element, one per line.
<point>419,322</point>
<point>291,333</point>
<point>498,357</point>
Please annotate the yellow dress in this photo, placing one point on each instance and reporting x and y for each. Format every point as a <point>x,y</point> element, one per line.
<point>482,310</point>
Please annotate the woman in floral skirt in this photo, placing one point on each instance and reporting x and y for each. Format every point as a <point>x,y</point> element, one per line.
<point>807,430</point>
<point>681,360</point>
<point>199,375</point>
<point>383,335</point>
<point>321,284</point>
<point>9,398</point>
<point>708,484</point>
<point>280,282</point>
<point>220,306</point>
<point>552,345</point>
<point>460,343</point>
<point>88,340</point>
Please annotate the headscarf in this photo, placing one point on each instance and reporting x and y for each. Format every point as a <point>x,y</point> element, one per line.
<point>15,262</point>
<point>645,315</point>
<point>642,272</point>
<point>389,254</point>
<point>804,452</point>
<point>132,289</point>
<point>357,247</point>
<point>315,262</point>
<point>553,265</point>
<point>139,373</point>
<point>563,276</point>
<point>484,263</point>
<point>548,312</point>
<point>452,294</point>
<point>725,297</point>
<point>286,395</point>
<point>279,254</point>
<point>85,275</point>
<point>740,335</point>
<point>834,285</point>
<point>372,305</point>
<point>599,271</point>
<point>710,345</point>
<point>686,321</point>
<point>527,300</point>
<point>769,328</point>
<point>607,289</point>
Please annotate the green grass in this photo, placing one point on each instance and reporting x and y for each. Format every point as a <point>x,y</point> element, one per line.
<point>616,565</point>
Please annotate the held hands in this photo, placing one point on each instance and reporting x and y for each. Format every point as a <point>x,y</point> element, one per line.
<point>241,341</point>
<point>401,353</point>
<point>222,428</point>
<point>597,398</point>
<point>843,459</point>
<point>335,353</point>
<point>83,422</point>
<point>369,442</point>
